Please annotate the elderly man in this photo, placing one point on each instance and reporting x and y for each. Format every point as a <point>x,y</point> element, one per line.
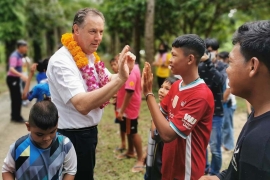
<point>81,86</point>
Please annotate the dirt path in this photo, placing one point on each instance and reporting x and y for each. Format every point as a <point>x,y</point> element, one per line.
<point>9,132</point>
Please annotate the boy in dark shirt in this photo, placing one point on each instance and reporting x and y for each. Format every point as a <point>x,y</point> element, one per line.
<point>249,74</point>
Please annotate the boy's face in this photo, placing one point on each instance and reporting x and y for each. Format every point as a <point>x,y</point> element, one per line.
<point>178,61</point>
<point>114,66</point>
<point>42,138</point>
<point>163,90</point>
<point>238,72</point>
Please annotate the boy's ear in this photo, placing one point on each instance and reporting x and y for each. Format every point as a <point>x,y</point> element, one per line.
<point>27,126</point>
<point>191,59</point>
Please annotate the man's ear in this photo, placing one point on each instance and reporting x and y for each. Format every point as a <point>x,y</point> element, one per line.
<point>254,64</point>
<point>75,29</point>
<point>27,126</point>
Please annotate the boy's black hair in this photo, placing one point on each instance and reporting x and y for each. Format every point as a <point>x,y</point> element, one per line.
<point>191,44</point>
<point>212,42</point>
<point>171,79</point>
<point>254,41</point>
<point>43,115</point>
<point>223,54</point>
<point>42,65</point>
<point>112,60</point>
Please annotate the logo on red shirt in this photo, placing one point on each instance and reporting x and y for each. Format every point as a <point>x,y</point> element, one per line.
<point>188,121</point>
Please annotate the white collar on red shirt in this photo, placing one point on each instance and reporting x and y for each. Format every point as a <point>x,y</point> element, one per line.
<point>190,85</point>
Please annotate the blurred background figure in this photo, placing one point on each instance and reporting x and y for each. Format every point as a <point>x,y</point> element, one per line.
<point>215,77</point>
<point>42,68</point>
<point>14,78</point>
<point>26,62</point>
<point>162,63</point>
<point>229,106</point>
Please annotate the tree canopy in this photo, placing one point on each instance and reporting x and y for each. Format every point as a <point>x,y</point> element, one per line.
<point>41,23</point>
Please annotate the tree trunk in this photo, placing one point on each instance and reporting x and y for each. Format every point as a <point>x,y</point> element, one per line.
<point>37,50</point>
<point>137,39</point>
<point>112,49</point>
<point>50,42</point>
<point>149,31</point>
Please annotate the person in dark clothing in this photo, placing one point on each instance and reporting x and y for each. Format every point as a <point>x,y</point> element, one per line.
<point>14,78</point>
<point>215,79</point>
<point>249,74</point>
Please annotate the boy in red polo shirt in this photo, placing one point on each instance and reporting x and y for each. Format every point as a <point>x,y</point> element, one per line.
<point>189,106</point>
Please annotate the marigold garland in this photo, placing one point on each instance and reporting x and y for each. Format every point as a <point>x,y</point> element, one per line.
<point>82,63</point>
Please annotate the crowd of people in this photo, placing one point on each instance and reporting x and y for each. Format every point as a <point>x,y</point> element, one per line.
<point>192,118</point>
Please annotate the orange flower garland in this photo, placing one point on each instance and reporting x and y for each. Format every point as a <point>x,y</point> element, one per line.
<point>75,50</point>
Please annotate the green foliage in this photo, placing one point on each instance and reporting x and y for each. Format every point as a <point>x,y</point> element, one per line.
<point>122,16</point>
<point>43,15</point>
<point>42,22</point>
<point>70,7</point>
<point>12,19</point>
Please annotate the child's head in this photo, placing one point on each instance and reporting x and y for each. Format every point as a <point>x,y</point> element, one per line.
<point>162,48</point>
<point>187,51</point>
<point>224,56</point>
<point>165,87</point>
<point>42,124</point>
<point>114,64</point>
<point>42,65</point>
<point>211,44</point>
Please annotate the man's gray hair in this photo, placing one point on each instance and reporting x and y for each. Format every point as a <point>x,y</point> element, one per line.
<point>82,13</point>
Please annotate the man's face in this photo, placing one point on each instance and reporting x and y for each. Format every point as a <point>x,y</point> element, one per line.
<point>42,138</point>
<point>23,49</point>
<point>114,66</point>
<point>238,72</point>
<point>178,61</point>
<point>89,34</point>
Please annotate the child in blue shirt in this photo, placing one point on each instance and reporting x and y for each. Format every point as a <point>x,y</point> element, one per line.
<point>43,153</point>
<point>42,68</point>
<point>40,91</point>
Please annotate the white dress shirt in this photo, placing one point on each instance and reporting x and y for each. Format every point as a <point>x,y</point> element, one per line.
<point>65,81</point>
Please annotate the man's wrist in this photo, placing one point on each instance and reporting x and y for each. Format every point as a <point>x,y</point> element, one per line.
<point>120,79</point>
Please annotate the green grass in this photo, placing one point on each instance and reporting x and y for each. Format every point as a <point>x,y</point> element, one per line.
<point>107,166</point>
